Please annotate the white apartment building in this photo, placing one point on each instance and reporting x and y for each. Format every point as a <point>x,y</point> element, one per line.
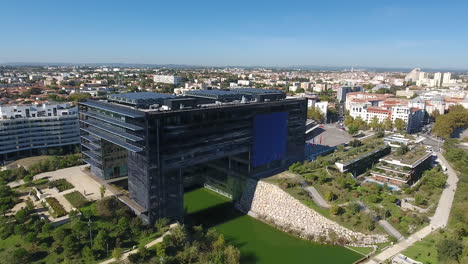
<point>243,82</point>
<point>447,77</point>
<point>25,130</point>
<point>438,79</point>
<point>170,79</point>
<point>369,106</point>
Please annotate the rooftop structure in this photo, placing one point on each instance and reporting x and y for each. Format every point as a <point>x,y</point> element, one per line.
<point>358,159</point>
<point>139,100</point>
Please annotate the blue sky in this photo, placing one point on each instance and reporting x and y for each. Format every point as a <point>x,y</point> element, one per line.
<point>380,33</point>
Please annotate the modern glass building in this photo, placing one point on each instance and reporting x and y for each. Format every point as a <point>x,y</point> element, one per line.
<point>216,138</point>
<point>27,130</point>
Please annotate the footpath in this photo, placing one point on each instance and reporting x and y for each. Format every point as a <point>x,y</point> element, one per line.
<point>439,220</point>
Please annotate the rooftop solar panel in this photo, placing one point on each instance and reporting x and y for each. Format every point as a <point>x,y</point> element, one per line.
<point>256,91</point>
<point>143,99</point>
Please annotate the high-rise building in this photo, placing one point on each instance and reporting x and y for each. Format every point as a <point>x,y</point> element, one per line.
<point>413,75</point>
<point>437,79</point>
<point>447,77</point>
<point>215,138</point>
<point>341,94</point>
<point>28,130</point>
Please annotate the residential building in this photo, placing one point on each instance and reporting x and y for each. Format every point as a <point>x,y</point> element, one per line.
<point>170,79</point>
<point>27,130</point>
<point>341,94</point>
<point>447,77</point>
<point>243,82</point>
<point>413,75</point>
<point>438,79</point>
<point>216,138</point>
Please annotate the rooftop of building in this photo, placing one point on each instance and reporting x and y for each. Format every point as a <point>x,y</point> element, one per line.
<point>150,101</point>
<point>412,158</point>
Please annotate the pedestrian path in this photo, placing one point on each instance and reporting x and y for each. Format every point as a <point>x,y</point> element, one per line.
<point>439,220</point>
<point>150,244</point>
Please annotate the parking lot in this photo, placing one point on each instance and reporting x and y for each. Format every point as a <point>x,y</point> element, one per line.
<point>329,135</point>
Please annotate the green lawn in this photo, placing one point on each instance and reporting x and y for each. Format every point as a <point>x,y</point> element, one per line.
<point>257,241</point>
<point>76,199</point>
<point>424,250</point>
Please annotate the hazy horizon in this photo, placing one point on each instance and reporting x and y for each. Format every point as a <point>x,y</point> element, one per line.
<point>396,34</point>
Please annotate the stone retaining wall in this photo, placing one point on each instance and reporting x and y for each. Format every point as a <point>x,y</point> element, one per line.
<point>271,204</point>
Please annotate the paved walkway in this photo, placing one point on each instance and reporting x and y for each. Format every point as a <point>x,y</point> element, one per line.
<point>439,220</point>
<point>150,244</point>
<point>315,195</point>
<point>390,229</point>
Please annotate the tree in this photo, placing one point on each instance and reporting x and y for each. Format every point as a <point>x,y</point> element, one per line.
<point>336,210</point>
<point>360,123</point>
<point>22,215</point>
<point>419,199</point>
<point>400,124</point>
<point>355,143</point>
<point>70,246</point>
<point>375,123</point>
<point>449,249</point>
<point>315,114</point>
<point>232,255</point>
<point>102,190</point>
<point>348,120</point>
<point>117,253</point>
<point>388,125</point>
<point>353,130</point>
<point>101,240</point>
<point>455,118</point>
<point>402,150</point>
<point>20,255</point>
<point>330,196</point>
<point>87,255</point>
<point>161,223</point>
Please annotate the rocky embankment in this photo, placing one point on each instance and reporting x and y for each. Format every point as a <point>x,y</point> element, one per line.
<point>269,203</point>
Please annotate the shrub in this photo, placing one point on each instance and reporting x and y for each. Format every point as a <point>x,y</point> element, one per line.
<point>419,199</point>
<point>61,185</point>
<point>57,208</point>
<point>330,196</point>
<point>336,210</point>
<point>449,250</point>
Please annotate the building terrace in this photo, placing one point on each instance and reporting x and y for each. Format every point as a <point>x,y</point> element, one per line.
<point>358,159</point>
<point>404,168</point>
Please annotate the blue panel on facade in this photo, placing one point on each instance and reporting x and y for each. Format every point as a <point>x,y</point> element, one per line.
<point>269,138</point>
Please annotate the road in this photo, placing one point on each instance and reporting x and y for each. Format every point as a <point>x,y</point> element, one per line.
<point>439,220</point>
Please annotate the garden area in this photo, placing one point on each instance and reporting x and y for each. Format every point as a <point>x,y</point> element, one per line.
<point>61,185</point>
<point>29,239</point>
<point>44,165</point>
<point>76,199</point>
<point>449,245</point>
<point>350,199</point>
<point>56,209</point>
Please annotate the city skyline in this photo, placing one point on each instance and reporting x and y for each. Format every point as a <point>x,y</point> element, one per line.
<point>333,34</point>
